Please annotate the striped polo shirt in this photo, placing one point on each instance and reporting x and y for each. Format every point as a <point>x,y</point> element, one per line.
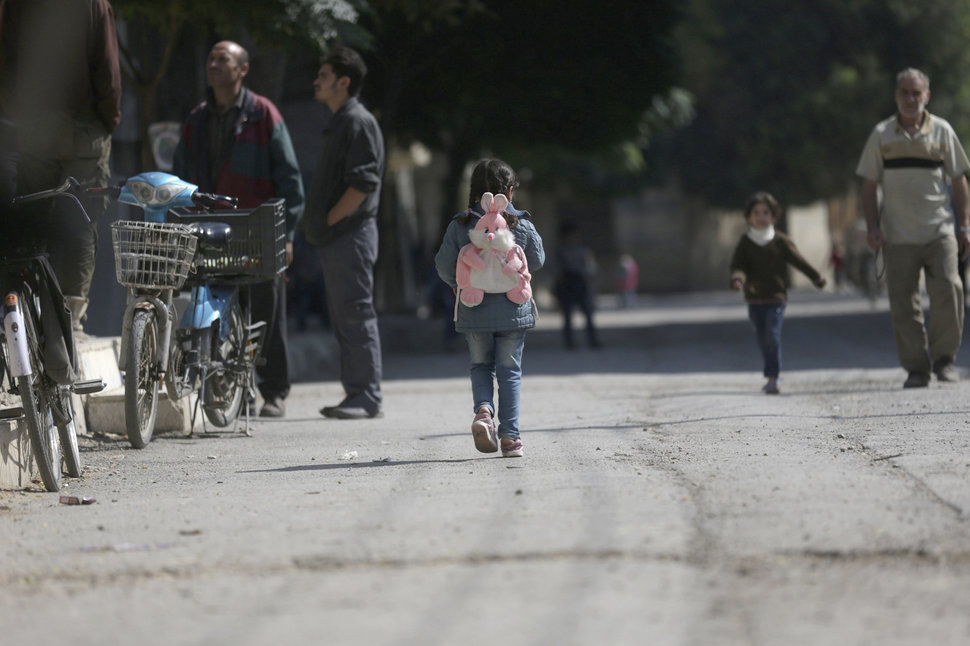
<point>914,172</point>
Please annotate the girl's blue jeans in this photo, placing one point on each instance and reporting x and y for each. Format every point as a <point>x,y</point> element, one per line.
<point>497,356</point>
<point>767,319</point>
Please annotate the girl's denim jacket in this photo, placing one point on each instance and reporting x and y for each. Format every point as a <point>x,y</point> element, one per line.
<point>496,313</point>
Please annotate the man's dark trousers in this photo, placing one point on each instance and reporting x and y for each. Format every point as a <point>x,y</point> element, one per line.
<point>348,276</point>
<point>269,298</point>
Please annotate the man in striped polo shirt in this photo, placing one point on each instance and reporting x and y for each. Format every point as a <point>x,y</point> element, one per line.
<point>916,158</point>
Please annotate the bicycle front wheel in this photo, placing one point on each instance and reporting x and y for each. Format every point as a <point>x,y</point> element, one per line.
<point>141,379</point>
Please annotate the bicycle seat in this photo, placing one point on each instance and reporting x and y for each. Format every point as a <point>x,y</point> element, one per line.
<point>214,237</point>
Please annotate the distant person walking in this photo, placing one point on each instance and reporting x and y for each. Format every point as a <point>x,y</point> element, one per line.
<point>494,327</point>
<point>760,268</point>
<point>575,275</point>
<point>627,279</point>
<point>913,155</point>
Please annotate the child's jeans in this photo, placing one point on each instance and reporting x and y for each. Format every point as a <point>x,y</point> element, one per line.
<point>767,319</point>
<point>498,355</point>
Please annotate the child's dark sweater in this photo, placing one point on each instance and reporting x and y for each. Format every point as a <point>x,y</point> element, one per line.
<point>764,269</point>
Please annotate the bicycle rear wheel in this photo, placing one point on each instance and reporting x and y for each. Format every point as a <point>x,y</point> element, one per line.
<point>226,386</point>
<point>141,379</point>
<point>35,392</point>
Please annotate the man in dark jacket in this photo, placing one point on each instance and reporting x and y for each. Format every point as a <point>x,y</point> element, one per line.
<point>341,221</point>
<point>235,143</point>
<point>60,84</point>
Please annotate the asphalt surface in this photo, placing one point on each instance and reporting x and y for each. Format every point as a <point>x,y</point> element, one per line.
<point>663,499</point>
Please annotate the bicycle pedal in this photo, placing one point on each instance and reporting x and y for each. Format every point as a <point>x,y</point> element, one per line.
<point>11,413</point>
<point>88,387</point>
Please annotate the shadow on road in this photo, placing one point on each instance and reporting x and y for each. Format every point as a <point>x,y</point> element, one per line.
<point>326,466</point>
<point>653,425</point>
<point>834,341</point>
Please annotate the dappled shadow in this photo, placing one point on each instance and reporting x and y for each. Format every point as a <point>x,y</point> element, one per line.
<point>786,391</point>
<point>558,429</point>
<point>857,340</point>
<point>653,425</point>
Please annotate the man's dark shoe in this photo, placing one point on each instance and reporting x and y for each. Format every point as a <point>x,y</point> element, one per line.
<point>917,380</point>
<point>273,407</point>
<point>946,372</point>
<point>349,412</point>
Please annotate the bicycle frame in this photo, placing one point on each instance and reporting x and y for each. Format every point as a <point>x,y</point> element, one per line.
<point>17,357</point>
<point>208,304</point>
<point>33,364</point>
<point>161,303</point>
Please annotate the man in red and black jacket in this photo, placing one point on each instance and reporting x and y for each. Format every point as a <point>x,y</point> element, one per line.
<point>235,143</point>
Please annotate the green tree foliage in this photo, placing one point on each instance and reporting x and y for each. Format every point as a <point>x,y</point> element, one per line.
<point>564,71</point>
<point>788,90</point>
<point>531,81</point>
<point>158,27</point>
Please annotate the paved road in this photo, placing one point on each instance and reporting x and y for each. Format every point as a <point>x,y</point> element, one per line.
<point>663,500</point>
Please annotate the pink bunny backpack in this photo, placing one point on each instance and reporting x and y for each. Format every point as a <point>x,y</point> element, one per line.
<point>492,262</point>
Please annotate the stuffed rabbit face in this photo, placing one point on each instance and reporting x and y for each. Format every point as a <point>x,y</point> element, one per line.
<point>492,232</point>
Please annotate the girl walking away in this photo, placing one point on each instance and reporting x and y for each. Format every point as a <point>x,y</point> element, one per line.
<point>760,267</point>
<point>487,256</point>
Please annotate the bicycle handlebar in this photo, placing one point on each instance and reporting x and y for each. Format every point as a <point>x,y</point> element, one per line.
<point>69,184</point>
<point>69,189</point>
<point>204,200</point>
<point>111,192</point>
<point>213,201</point>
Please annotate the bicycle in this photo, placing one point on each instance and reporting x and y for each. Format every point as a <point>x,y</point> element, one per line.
<point>30,354</point>
<point>215,347</point>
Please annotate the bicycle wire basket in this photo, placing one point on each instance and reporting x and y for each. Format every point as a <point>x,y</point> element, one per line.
<point>257,247</point>
<point>152,255</point>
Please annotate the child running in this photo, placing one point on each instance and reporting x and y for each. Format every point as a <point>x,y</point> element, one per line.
<point>759,266</point>
<point>494,327</point>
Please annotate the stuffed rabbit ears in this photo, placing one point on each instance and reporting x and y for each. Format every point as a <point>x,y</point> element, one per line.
<point>494,203</point>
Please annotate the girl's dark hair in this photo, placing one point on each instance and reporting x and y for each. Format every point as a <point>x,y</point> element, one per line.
<point>762,197</point>
<point>492,176</point>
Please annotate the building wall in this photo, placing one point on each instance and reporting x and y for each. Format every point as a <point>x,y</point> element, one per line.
<point>682,245</point>
<point>808,227</point>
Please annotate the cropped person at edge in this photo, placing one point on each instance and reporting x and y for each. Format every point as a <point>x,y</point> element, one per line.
<point>912,156</point>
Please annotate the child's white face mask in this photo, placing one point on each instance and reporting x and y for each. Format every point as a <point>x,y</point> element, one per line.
<point>761,237</point>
